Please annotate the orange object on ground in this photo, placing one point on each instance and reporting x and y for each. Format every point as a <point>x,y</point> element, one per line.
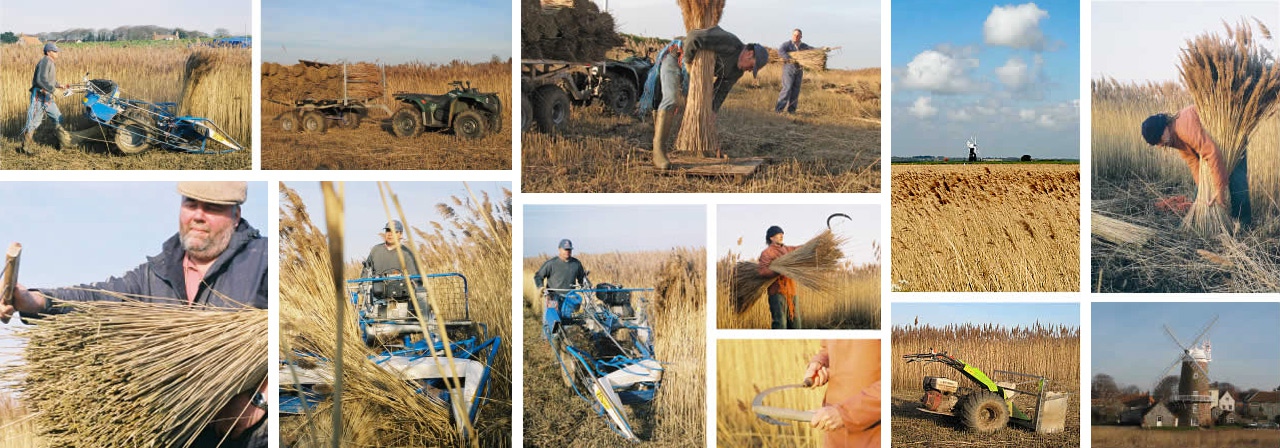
<point>1174,204</point>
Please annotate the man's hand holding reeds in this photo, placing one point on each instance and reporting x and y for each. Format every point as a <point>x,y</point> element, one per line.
<point>239,415</point>
<point>827,418</point>
<point>24,301</point>
<point>816,373</point>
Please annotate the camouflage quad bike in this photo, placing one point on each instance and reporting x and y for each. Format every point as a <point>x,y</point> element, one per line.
<point>470,113</point>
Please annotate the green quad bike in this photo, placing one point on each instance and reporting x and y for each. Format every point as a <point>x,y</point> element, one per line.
<point>468,112</point>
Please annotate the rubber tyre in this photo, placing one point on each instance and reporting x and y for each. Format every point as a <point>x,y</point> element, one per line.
<point>350,120</point>
<point>313,123</point>
<point>551,109</point>
<point>526,113</point>
<point>406,122</point>
<point>469,125</point>
<point>618,97</point>
<point>982,412</point>
<point>133,134</point>
<point>290,123</point>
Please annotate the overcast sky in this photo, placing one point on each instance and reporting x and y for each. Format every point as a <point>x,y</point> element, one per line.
<point>1008,74</point>
<point>613,228</point>
<point>1129,342</point>
<point>33,17</point>
<point>1140,41</point>
<point>798,223</point>
<point>851,24</point>
<point>387,31</point>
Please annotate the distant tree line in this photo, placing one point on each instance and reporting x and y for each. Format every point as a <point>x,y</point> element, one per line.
<point>121,33</point>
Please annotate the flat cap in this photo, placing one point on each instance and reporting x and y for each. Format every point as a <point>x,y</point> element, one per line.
<point>225,193</point>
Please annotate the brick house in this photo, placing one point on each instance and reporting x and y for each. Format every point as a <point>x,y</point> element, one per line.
<point>1261,405</point>
<point>1159,416</point>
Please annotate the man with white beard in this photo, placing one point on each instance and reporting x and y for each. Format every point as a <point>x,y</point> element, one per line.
<point>216,260</point>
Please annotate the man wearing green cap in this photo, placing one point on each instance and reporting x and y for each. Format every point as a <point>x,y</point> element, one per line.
<point>216,260</point>
<point>43,83</point>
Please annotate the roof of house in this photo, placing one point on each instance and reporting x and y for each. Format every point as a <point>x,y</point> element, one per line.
<point>1263,397</point>
<point>1153,408</point>
<point>1136,400</point>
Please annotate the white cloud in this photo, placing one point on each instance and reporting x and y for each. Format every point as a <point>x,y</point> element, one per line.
<point>923,107</point>
<point>938,72</point>
<point>1015,74</point>
<point>959,115</point>
<point>1046,121</point>
<point>1015,26</point>
<point>1027,114</point>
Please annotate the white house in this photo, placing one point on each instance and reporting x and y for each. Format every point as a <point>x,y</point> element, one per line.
<point>1227,403</point>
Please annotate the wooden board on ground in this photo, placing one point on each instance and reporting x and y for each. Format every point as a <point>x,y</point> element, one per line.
<point>738,169</point>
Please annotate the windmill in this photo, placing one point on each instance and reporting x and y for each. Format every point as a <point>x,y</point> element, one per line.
<point>972,143</point>
<point>1193,402</point>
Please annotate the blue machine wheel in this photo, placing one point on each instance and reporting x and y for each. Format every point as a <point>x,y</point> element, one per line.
<point>133,135</point>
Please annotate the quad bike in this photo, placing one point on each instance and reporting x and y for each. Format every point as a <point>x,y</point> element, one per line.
<point>989,406</point>
<point>135,125</point>
<point>604,346</point>
<point>388,319</point>
<point>470,113</point>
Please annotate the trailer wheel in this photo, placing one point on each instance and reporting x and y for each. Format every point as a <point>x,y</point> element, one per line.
<point>406,122</point>
<point>551,109</point>
<point>313,122</point>
<point>526,113</point>
<point>133,136</point>
<point>469,125</point>
<point>289,123</point>
<point>619,96</point>
<point>983,412</point>
<point>350,120</point>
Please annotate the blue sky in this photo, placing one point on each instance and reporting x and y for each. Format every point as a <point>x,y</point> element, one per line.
<point>365,216</point>
<point>1129,342</point>
<point>1003,314</point>
<point>799,223</point>
<point>1009,73</point>
<point>38,17</point>
<point>608,228</point>
<point>387,31</point>
<point>851,24</point>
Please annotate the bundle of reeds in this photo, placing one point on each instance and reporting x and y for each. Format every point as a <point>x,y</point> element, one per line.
<point>1120,232</point>
<point>579,32</point>
<point>748,285</point>
<point>812,59</point>
<point>1235,83</point>
<point>551,6</point>
<point>136,374</point>
<point>214,83</point>
<point>698,128</point>
<point>810,263</point>
<point>317,80</point>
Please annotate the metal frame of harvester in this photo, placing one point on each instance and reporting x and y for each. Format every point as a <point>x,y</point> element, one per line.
<point>989,406</point>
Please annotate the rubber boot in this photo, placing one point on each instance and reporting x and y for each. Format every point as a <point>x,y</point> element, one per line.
<point>661,136</point>
<point>64,137</point>
<point>29,142</point>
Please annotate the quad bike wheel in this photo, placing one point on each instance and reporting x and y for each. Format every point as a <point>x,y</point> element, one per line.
<point>526,113</point>
<point>406,122</point>
<point>313,122</point>
<point>619,96</point>
<point>133,135</point>
<point>469,125</point>
<point>349,120</point>
<point>551,109</point>
<point>289,123</point>
<point>983,412</point>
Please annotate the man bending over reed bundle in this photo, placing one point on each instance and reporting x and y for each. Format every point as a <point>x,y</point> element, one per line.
<point>215,257</point>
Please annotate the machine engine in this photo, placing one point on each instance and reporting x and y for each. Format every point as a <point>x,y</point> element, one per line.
<point>939,394</point>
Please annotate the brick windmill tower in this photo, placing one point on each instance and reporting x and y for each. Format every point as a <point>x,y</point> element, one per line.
<point>1192,404</point>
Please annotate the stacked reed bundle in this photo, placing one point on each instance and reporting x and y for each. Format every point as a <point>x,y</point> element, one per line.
<point>378,407</point>
<point>320,81</point>
<point>813,59</point>
<point>1235,83</point>
<point>136,374</point>
<point>215,85</point>
<point>809,265</point>
<point>580,32</point>
<point>1120,232</point>
<point>698,128</point>
<point>552,6</point>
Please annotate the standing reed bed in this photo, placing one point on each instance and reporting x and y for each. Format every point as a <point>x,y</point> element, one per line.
<point>851,299</point>
<point>17,426</point>
<point>213,87</point>
<point>378,408</point>
<point>556,417</point>
<point>698,127</point>
<point>1235,83</point>
<point>137,374</point>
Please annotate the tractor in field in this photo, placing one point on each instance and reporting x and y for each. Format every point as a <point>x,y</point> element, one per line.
<point>470,113</point>
<point>988,405</point>
<point>135,126</point>
<point>387,309</point>
<point>550,87</point>
<point>603,341</point>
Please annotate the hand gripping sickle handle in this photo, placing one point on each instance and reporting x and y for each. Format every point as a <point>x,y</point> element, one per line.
<point>775,415</point>
<point>7,292</point>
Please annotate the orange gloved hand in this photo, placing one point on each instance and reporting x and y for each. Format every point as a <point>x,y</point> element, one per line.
<point>1174,204</point>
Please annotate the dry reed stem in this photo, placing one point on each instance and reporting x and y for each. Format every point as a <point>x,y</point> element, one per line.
<point>698,127</point>
<point>1119,231</point>
<point>811,263</point>
<point>138,374</point>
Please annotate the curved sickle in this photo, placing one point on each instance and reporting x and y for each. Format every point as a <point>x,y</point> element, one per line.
<point>833,215</point>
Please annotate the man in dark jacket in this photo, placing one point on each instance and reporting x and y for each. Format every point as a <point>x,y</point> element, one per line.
<point>670,79</point>
<point>43,83</point>
<point>560,273</point>
<point>217,260</point>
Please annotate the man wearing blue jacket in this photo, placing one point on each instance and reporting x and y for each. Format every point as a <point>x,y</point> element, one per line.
<point>216,260</point>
